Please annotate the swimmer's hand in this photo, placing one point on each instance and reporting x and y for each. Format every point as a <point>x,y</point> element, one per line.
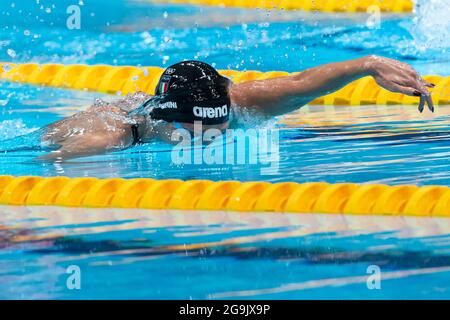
<point>400,77</point>
<point>67,153</point>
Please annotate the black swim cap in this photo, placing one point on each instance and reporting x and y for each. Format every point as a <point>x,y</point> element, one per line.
<point>191,91</point>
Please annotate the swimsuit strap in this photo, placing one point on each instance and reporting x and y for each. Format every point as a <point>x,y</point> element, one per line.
<point>135,134</point>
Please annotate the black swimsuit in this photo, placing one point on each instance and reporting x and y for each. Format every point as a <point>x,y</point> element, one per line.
<point>135,134</point>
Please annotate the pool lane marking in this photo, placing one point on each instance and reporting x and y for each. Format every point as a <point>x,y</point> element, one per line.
<point>330,282</point>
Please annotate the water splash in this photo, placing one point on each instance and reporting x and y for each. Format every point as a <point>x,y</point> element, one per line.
<point>13,128</point>
<point>431,25</point>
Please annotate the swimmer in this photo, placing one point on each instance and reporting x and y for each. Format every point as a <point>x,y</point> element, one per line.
<point>193,91</point>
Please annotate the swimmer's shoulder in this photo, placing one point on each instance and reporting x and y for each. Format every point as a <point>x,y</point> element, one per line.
<point>123,105</point>
<point>133,101</point>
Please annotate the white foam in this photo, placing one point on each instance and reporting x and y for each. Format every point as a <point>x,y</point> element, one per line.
<point>431,24</point>
<point>13,128</point>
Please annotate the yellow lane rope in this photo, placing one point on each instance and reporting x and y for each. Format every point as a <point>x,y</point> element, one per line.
<point>128,79</point>
<point>316,197</point>
<point>396,6</point>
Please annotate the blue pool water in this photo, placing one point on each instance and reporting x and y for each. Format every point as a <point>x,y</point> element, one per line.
<point>193,255</point>
<point>146,254</point>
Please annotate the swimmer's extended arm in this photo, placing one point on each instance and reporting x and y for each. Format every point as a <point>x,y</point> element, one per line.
<point>85,146</point>
<point>282,95</point>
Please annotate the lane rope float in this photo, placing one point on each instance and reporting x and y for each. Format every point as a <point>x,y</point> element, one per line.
<point>314,197</point>
<point>129,79</point>
<point>395,6</point>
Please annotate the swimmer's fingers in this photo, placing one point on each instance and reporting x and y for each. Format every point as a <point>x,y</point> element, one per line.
<point>429,101</point>
<point>422,82</point>
<point>416,77</point>
<point>426,99</point>
<point>426,96</point>
<point>420,85</point>
<point>421,104</point>
<point>410,89</point>
<point>428,84</point>
<point>413,79</point>
<point>416,91</point>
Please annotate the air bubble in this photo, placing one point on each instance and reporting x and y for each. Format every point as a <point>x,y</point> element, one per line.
<point>11,53</point>
<point>6,67</point>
